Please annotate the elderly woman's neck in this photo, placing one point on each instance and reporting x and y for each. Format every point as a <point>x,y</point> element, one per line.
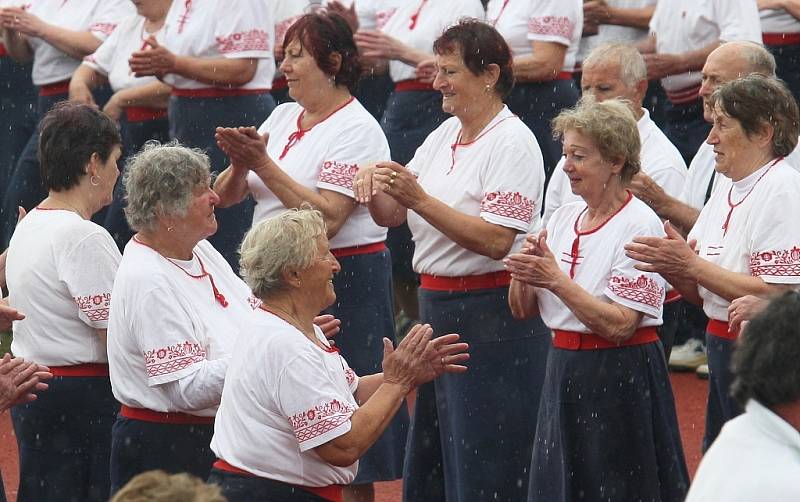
<point>74,200</point>
<point>604,204</point>
<point>292,310</point>
<point>476,118</point>
<point>168,242</point>
<point>322,104</point>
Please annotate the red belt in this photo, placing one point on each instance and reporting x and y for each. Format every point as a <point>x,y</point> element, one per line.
<point>81,370</point>
<point>279,83</point>
<point>159,417</point>
<point>412,85</point>
<point>684,96</point>
<point>215,92</point>
<point>3,50</point>
<point>491,280</point>
<point>564,75</point>
<point>357,250</point>
<point>144,114</point>
<point>781,38</point>
<point>330,492</point>
<point>672,296</point>
<point>572,340</point>
<point>720,330</point>
<point>55,88</point>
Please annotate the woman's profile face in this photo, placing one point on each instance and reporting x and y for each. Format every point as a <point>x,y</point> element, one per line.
<point>107,175</point>
<point>733,149</point>
<point>462,91</point>
<point>585,167</point>
<point>303,75</point>
<point>200,215</point>
<point>317,279</point>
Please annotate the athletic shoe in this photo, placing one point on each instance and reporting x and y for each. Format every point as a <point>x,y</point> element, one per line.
<point>702,371</point>
<point>689,356</point>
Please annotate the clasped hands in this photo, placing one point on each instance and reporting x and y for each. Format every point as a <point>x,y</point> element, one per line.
<point>534,264</point>
<point>390,178</point>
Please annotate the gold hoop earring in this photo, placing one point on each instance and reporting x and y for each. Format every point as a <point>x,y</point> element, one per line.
<point>94,180</point>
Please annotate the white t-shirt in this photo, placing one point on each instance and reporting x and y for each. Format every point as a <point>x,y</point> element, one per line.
<point>165,324</point>
<point>372,14</point>
<point>702,169</point>
<point>601,267</point>
<point>60,269</point>
<point>762,238</point>
<point>417,23</point>
<point>285,396</point>
<point>498,177</point>
<point>660,160</point>
<point>617,33</point>
<point>215,29</point>
<point>99,17</point>
<point>522,22</point>
<point>686,25</point>
<point>778,21</point>
<point>326,157</point>
<point>755,457</point>
<point>111,58</point>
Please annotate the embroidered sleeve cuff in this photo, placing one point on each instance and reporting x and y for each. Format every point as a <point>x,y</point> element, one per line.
<point>322,423</point>
<point>173,362</point>
<point>338,177</point>
<point>642,294</point>
<point>776,266</point>
<point>94,309</point>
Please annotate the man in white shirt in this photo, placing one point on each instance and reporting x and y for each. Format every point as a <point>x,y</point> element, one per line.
<point>757,454</point>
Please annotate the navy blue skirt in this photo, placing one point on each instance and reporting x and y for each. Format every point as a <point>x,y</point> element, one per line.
<point>364,304</point>
<point>608,429</point>
<point>721,406</point>
<point>472,433</point>
<point>240,488</point>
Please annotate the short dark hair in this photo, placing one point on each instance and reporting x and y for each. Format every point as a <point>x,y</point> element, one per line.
<point>324,34</point>
<point>480,45</point>
<point>756,100</point>
<point>68,136</point>
<point>766,356</point>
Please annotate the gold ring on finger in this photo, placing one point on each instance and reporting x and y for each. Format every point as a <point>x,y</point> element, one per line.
<point>391,182</point>
<point>359,182</point>
<point>394,175</point>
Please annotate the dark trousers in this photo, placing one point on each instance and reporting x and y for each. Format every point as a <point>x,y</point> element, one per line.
<point>239,488</point>
<point>64,441</point>
<point>192,121</point>
<point>721,406</point>
<point>692,323</point>
<point>672,319</point>
<point>138,446</point>
<point>373,93</point>
<point>787,59</point>
<point>686,128</point>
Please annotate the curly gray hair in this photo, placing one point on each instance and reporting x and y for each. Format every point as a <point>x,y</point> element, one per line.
<point>283,243</point>
<point>160,181</point>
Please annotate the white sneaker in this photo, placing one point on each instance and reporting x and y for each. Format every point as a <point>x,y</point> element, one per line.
<point>688,357</point>
<point>702,371</point>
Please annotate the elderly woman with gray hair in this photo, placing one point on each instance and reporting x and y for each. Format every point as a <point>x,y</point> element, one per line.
<point>178,308</point>
<point>607,428</point>
<point>294,417</point>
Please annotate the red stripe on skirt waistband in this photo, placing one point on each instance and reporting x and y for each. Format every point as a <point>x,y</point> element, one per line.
<point>144,114</point>
<point>215,92</point>
<point>684,96</point>
<point>357,250</point>
<point>333,493</point>
<point>672,296</point>
<point>465,283</point>
<point>160,417</point>
<point>413,85</point>
<point>81,370</point>
<point>572,340</point>
<point>720,329</point>
<point>781,38</point>
<point>54,88</point>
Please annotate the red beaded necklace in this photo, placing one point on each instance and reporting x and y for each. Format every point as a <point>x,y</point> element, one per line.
<point>732,205</point>
<point>297,135</point>
<point>415,15</point>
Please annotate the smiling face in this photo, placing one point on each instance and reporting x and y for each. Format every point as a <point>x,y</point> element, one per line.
<point>317,279</point>
<point>200,218</point>
<point>735,153</point>
<point>303,76</point>
<point>589,174</point>
<point>462,91</point>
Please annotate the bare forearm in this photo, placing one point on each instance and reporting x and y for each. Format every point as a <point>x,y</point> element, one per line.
<point>637,18</point>
<point>77,44</point>
<point>792,7</point>
<point>411,56</point>
<point>152,95</point>
<point>543,65</point>
<point>218,72</point>
<point>17,46</point>
<point>386,211</point>
<point>680,215</point>
<point>367,385</point>
<point>727,284</point>
<point>231,186</point>
<point>522,300</point>
<point>694,60</point>
<point>605,319</point>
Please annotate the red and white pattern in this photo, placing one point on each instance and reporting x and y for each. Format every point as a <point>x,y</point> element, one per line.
<point>642,290</point>
<point>104,28</point>
<point>320,419</point>
<point>508,205</point>
<point>783,263</point>
<point>172,358</point>
<point>350,375</point>
<point>282,27</point>
<point>383,17</point>
<point>552,25</point>
<point>94,306</point>
<point>254,302</point>
<point>338,173</point>
<point>246,41</point>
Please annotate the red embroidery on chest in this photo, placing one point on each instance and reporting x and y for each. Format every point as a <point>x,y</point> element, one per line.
<point>172,358</point>
<point>508,204</point>
<point>383,17</point>
<point>350,375</point>
<point>94,306</point>
<point>254,302</point>
<point>642,290</point>
<point>338,173</point>
<point>320,419</point>
<point>778,263</point>
<point>245,41</point>
<point>552,25</point>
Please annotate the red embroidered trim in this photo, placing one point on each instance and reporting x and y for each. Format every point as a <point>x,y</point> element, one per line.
<point>298,134</point>
<point>458,142</point>
<point>338,173</point>
<point>350,375</point>
<point>320,419</point>
<point>642,289</point>
<point>732,205</point>
<point>778,263</point>
<point>184,18</point>
<point>508,204</point>
<point>94,306</point>
<point>383,17</point>
<point>253,40</point>
<point>104,28</point>
<point>254,302</point>
<point>281,29</point>
<point>172,358</point>
<point>415,15</point>
<point>552,25</point>
<point>502,9</point>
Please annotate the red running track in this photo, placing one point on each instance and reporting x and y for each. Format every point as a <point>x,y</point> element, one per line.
<point>690,398</point>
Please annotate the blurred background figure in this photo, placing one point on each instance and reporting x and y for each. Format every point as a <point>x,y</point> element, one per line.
<point>159,486</point>
<point>780,24</point>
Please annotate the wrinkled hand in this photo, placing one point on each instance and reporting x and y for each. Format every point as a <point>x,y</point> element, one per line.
<point>647,190</point>
<point>79,93</point>
<point>349,14</point>
<point>20,380</point>
<point>426,71</point>
<point>399,183</point>
<point>535,264</point>
<point>8,315</point>
<point>376,44</point>
<point>328,324</point>
<point>22,21</point>
<point>363,186</point>
<point>114,108</point>
<point>156,61</point>
<point>596,12</point>
<point>245,148</point>
<point>661,65</point>
<point>670,256</point>
<point>744,309</point>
